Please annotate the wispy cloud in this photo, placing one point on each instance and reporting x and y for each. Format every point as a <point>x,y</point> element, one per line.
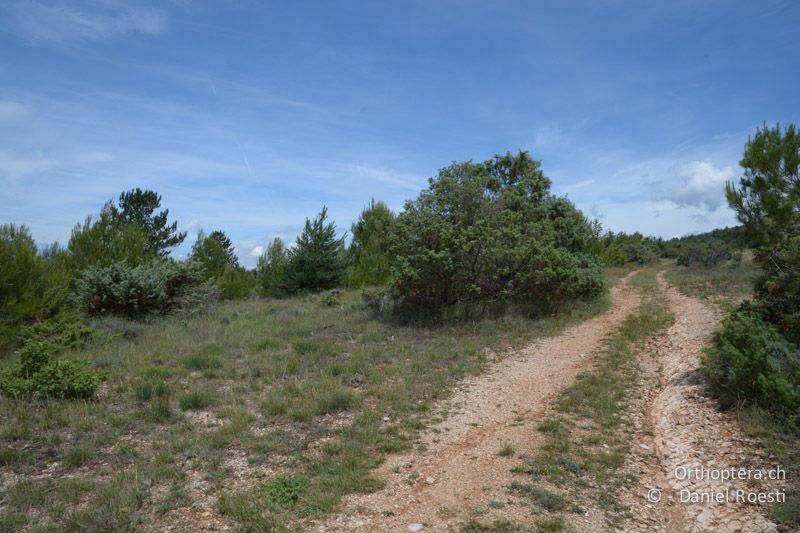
<point>370,172</point>
<point>575,186</point>
<point>94,157</point>
<point>54,23</point>
<point>550,138</point>
<point>11,110</point>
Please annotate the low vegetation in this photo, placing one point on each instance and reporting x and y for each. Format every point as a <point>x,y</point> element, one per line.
<point>725,283</point>
<point>298,398</point>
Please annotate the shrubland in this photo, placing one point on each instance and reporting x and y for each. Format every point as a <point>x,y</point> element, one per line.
<point>622,248</point>
<point>111,374</point>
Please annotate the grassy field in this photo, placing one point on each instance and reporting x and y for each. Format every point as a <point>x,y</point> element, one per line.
<point>262,413</point>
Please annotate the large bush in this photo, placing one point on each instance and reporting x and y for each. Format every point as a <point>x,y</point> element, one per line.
<point>777,289</point>
<point>491,232</point>
<point>20,269</point>
<point>155,287</point>
<point>750,362</point>
<point>755,358</point>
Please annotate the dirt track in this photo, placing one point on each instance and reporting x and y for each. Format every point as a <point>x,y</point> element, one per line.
<point>678,425</point>
<point>461,471</point>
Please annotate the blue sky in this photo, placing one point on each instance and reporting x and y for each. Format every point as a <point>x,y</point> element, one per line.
<point>249,116</point>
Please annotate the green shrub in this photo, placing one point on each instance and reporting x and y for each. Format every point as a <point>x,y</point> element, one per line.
<point>750,362</point>
<point>621,248</point>
<point>39,374</point>
<point>331,299</point>
<point>778,288</point>
<point>707,254</point>
<point>235,283</point>
<point>155,287</point>
<point>490,232</point>
<point>65,332</point>
<point>284,490</point>
<point>20,270</point>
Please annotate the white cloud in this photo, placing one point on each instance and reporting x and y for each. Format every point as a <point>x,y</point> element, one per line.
<point>662,218</point>
<point>10,109</point>
<point>257,251</point>
<point>15,166</point>
<point>39,22</point>
<point>698,184</point>
<point>94,157</point>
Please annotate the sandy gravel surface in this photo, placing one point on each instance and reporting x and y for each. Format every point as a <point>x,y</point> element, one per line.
<point>461,471</point>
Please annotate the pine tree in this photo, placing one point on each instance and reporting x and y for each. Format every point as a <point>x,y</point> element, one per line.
<point>139,206</point>
<point>369,250</point>
<point>317,262</point>
<point>214,252</point>
<point>271,269</point>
